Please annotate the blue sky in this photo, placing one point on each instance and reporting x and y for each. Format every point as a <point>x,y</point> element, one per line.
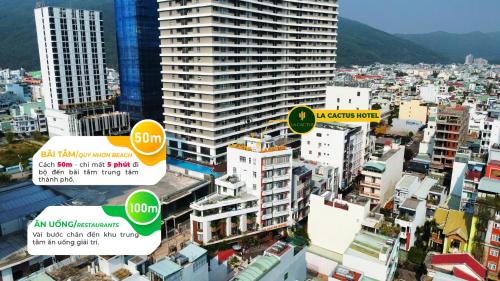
<point>420,16</point>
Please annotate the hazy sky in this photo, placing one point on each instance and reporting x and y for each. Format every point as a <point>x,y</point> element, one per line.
<point>419,16</point>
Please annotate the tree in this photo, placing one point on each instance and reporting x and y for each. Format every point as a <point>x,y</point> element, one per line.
<point>10,137</point>
<point>376,107</point>
<point>451,89</point>
<point>410,134</point>
<point>37,136</point>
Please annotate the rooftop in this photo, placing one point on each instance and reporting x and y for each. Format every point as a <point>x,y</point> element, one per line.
<point>26,200</point>
<point>259,267</point>
<point>165,267</point>
<point>488,185</point>
<point>171,186</point>
<point>425,186</point>
<point>373,247</point>
<point>406,181</point>
<point>192,252</point>
<point>410,203</point>
<point>374,167</point>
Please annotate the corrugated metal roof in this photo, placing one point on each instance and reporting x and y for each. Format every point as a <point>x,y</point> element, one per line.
<point>258,268</point>
<point>489,185</point>
<point>24,201</point>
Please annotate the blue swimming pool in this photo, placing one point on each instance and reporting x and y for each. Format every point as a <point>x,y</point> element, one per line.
<point>193,167</point>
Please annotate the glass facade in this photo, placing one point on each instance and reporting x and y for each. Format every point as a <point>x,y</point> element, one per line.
<point>137,35</point>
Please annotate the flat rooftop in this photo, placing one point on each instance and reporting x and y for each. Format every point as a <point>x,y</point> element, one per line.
<point>370,246</point>
<point>389,154</point>
<point>171,186</point>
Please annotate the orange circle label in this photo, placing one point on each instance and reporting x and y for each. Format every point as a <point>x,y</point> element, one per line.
<point>148,137</point>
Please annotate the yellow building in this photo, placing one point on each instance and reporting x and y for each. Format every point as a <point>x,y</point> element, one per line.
<point>412,110</point>
<point>455,231</point>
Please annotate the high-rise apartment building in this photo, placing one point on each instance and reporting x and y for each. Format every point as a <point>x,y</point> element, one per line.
<point>137,38</point>
<point>73,66</point>
<point>72,59</point>
<point>229,67</point>
<point>451,129</point>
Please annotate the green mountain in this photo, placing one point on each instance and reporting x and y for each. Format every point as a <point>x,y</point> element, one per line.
<point>361,44</point>
<point>358,43</point>
<point>457,46</point>
<point>18,43</point>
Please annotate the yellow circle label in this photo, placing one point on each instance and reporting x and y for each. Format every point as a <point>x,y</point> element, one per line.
<point>148,137</point>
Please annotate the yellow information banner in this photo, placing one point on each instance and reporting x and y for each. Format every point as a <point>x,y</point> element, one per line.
<point>325,115</point>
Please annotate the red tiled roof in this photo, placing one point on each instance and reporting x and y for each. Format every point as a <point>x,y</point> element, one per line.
<point>458,259</point>
<point>224,255</point>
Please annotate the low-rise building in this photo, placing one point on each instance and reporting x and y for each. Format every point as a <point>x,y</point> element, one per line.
<point>413,110</point>
<point>337,145</point>
<point>281,261</point>
<point>453,233</point>
<point>189,264</point>
<point>379,176</point>
<point>491,256</point>
<point>453,267</point>
<point>374,255</point>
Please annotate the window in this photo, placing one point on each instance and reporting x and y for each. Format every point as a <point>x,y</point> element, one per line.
<point>254,186</point>
<point>494,252</point>
<point>492,266</point>
<point>285,277</point>
<point>243,159</point>
<point>254,174</point>
<point>495,238</point>
<point>359,94</point>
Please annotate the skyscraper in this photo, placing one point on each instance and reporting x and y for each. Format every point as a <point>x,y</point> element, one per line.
<point>137,34</point>
<point>73,66</point>
<point>229,67</point>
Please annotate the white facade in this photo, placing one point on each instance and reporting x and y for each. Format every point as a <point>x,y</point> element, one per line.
<point>229,67</point>
<point>412,214</point>
<point>381,175</point>
<point>429,93</point>
<point>72,60</point>
<point>333,223</point>
<point>336,145</point>
<point>255,195</point>
<point>351,98</point>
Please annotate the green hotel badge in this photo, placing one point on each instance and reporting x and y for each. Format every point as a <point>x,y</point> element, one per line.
<point>301,119</point>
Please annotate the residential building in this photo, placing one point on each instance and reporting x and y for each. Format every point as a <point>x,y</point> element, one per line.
<point>351,96</point>
<point>465,177</point>
<point>138,44</point>
<point>453,233</point>
<point>469,59</point>
<point>373,254</point>
<point>379,176</point>
<point>231,67</point>
<point>336,145</point>
<point>413,110</point>
<point>28,118</point>
<point>411,215</point>
<point>491,256</point>
<point>429,93</point>
<point>72,56</point>
<point>347,214</point>
<point>302,188</point>
<point>190,263</point>
<point>73,66</point>
<point>405,188</point>
<point>451,130</point>
<point>282,261</point>
<point>453,267</point>
<point>254,195</point>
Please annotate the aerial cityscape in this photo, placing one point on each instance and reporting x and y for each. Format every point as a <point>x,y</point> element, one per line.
<point>245,196</point>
